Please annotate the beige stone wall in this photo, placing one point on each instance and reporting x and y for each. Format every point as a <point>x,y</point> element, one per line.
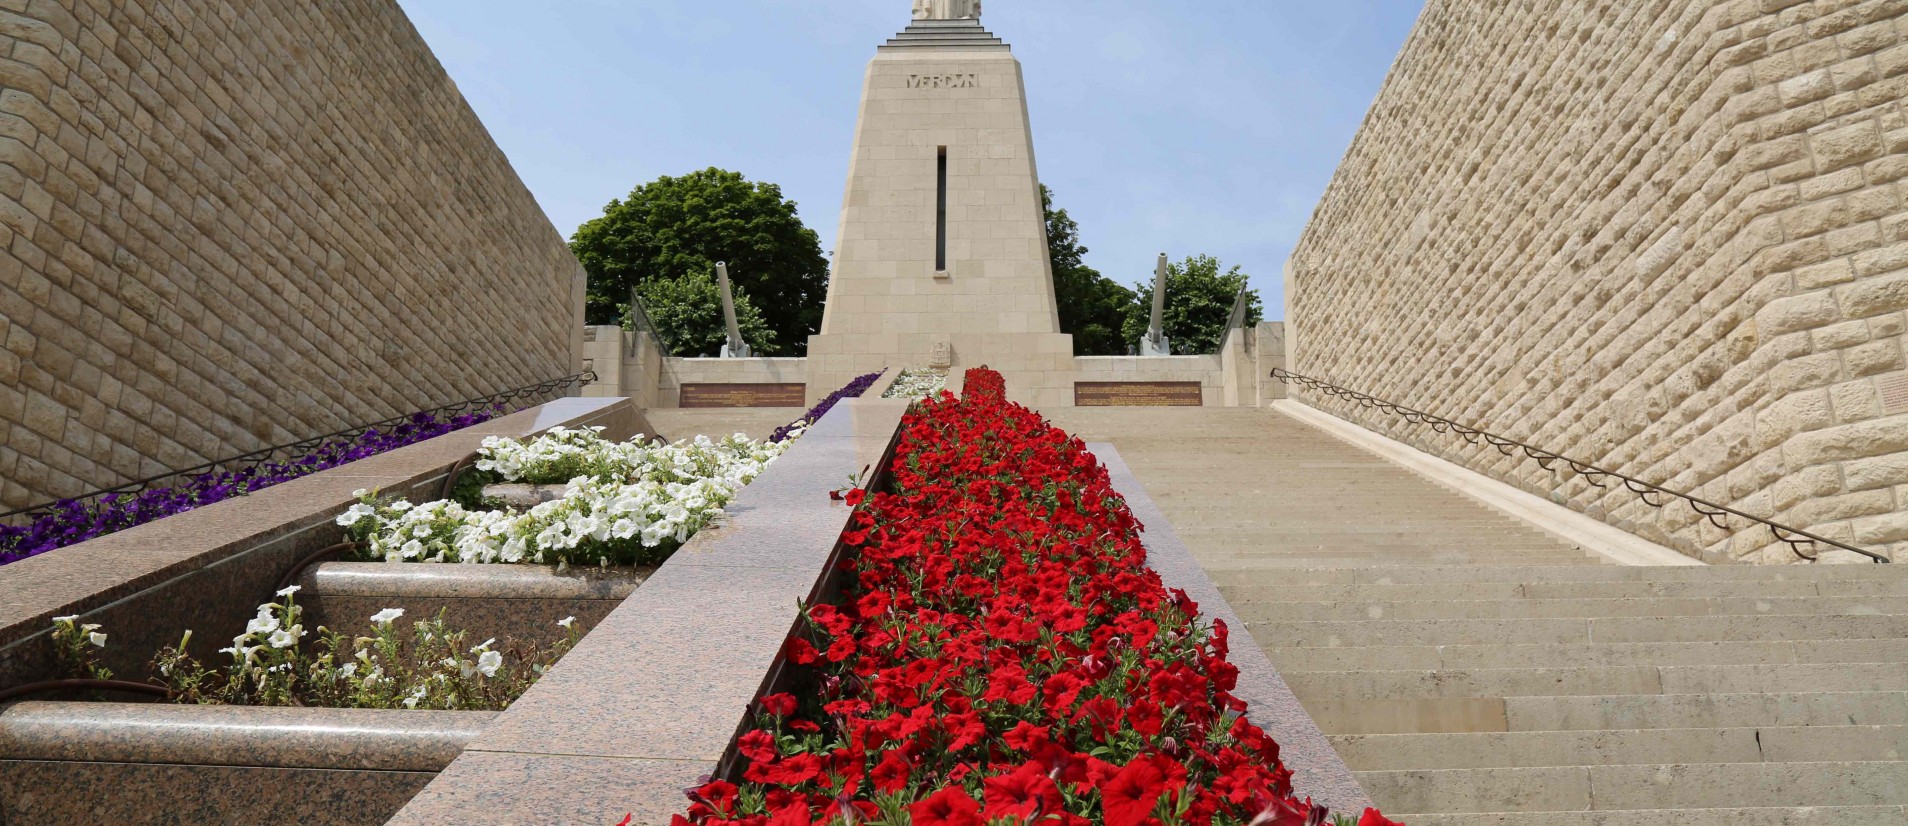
<point>1668,237</point>
<point>232,223</point>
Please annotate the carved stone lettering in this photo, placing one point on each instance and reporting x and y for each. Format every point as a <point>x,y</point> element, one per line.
<point>744,395</point>
<point>950,81</point>
<point>1894,393</point>
<point>1137,394</point>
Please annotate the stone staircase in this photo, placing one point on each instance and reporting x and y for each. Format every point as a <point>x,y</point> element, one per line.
<point>1474,670</point>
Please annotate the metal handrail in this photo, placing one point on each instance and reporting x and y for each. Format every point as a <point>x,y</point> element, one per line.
<point>1236,320</point>
<point>1715,513</point>
<point>295,450</point>
<point>640,321</point>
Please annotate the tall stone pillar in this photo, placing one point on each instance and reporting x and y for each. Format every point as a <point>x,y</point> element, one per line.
<point>943,248</point>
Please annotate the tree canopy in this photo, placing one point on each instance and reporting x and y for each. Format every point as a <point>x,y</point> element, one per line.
<point>681,308</point>
<point>1092,306</point>
<point>664,239</point>
<point>1198,304</point>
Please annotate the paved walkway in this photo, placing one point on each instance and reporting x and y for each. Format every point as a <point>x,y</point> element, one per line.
<point>1476,670</point>
<point>757,422</point>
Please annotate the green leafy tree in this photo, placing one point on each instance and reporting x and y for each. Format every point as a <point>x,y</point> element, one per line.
<point>1198,305</point>
<point>675,227</point>
<point>1092,306</point>
<point>682,307</point>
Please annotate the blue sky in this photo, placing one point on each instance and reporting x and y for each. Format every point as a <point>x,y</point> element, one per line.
<point>1205,127</point>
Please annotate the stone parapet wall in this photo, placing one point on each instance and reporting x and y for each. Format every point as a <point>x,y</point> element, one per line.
<point>1665,237</point>
<point>229,225</point>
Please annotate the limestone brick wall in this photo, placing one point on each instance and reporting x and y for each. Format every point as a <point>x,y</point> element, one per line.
<point>231,223</point>
<point>1667,236</point>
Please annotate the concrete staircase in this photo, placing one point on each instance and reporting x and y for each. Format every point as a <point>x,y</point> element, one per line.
<point>1474,670</point>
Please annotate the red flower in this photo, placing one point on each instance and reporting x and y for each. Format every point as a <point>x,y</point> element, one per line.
<point>796,815</point>
<point>780,705</point>
<point>1128,798</point>
<point>948,807</point>
<point>891,774</point>
<point>1027,792</point>
<point>1001,612</point>
<point>1373,818</point>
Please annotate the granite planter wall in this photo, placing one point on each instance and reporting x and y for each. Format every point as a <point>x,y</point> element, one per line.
<point>651,701</point>
<point>93,763</point>
<point>519,603</point>
<point>206,568</point>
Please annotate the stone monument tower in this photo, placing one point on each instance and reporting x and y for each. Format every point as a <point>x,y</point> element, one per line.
<point>942,259</point>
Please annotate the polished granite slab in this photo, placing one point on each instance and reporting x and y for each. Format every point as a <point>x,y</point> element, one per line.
<point>154,763</point>
<point>514,604</point>
<point>650,701</point>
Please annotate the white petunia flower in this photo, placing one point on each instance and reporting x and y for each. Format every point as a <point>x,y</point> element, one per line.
<point>489,662</point>
<point>566,622</point>
<point>387,616</point>
<point>97,639</point>
<point>283,638</point>
<point>289,590</point>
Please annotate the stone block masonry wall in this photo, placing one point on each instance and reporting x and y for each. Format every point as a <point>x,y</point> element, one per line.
<point>1664,236</point>
<point>232,223</point>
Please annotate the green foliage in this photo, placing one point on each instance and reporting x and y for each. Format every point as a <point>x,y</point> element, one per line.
<point>675,228</point>
<point>687,311</point>
<point>1092,306</point>
<point>1198,304</point>
<point>433,667</point>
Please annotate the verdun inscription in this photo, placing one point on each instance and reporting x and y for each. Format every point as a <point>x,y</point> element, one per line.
<point>1137,394</point>
<point>952,81</point>
<point>744,395</point>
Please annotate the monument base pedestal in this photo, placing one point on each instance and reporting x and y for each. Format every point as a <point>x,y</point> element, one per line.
<point>1038,366</point>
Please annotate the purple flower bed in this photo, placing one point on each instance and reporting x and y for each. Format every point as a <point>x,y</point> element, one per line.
<point>74,521</point>
<point>852,390</point>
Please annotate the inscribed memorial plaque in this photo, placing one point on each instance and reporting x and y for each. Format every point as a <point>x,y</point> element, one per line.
<point>1137,394</point>
<point>744,395</point>
<point>1894,393</point>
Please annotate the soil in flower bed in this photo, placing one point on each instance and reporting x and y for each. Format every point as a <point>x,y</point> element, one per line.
<point>1004,655</point>
<point>423,663</point>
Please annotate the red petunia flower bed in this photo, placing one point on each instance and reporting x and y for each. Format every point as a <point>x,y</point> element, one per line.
<point>1005,657</point>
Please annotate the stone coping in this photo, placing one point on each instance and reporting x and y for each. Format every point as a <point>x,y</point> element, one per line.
<point>651,700</point>
<point>150,582</point>
<point>1317,770</point>
<point>471,581</point>
<point>291,738</point>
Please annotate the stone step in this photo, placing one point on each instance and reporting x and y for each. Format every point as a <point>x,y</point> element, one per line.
<point>1347,633</point>
<point>1593,681</point>
<point>1808,744</point>
<point>1387,562</point>
<point>1332,575</point>
<point>1793,816</point>
<point>1355,553</point>
<point>1241,595</point>
<point>1268,543</point>
<point>1530,608</point>
<point>1289,660</point>
<point>1666,786</point>
<point>1379,526</point>
<point>1810,708</point>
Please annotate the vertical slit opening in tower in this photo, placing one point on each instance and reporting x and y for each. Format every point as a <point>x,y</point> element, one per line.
<point>940,215</point>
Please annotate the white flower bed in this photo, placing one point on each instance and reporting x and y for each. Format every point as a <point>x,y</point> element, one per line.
<point>628,503</point>
<point>917,383</point>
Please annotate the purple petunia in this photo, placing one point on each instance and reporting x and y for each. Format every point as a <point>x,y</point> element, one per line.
<point>73,521</point>
<point>852,390</point>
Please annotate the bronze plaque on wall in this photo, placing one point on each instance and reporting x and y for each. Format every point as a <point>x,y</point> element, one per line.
<point>744,395</point>
<point>1137,394</point>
